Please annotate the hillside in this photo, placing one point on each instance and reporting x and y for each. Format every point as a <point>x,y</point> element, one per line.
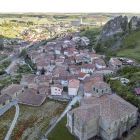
<point>130,46</point>
<point>120,37</point>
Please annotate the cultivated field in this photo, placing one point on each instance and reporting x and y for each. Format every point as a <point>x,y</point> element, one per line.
<point>33,121</point>
<point>5,122</point>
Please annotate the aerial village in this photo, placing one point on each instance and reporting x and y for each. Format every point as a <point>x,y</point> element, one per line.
<point>66,73</point>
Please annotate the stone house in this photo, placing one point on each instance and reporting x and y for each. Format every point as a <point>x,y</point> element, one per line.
<point>79,58</point>
<point>59,61</point>
<point>43,64</point>
<point>115,63</point>
<point>50,58</point>
<point>13,90</point>
<point>45,80</point>
<point>96,87</point>
<point>106,71</point>
<point>30,97</point>
<point>94,56</point>
<point>108,116</point>
<point>26,80</point>
<point>4,100</point>
<point>44,90</point>
<point>100,88</point>
<point>99,63</point>
<point>33,85</point>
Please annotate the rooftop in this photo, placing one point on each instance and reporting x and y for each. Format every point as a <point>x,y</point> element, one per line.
<point>30,97</point>
<point>73,83</point>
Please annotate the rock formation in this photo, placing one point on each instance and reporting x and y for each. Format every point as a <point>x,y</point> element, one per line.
<point>114,26</point>
<point>134,22</point>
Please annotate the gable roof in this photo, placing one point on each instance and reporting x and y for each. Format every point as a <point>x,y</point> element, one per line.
<point>30,97</point>
<point>112,108</point>
<point>4,98</point>
<point>87,112</point>
<point>58,86</point>
<point>11,89</point>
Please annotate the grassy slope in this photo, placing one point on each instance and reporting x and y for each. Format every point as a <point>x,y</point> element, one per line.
<point>136,135</point>
<point>128,50</point>
<point>60,131</point>
<point>92,34</point>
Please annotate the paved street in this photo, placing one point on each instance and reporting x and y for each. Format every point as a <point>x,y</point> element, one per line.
<point>13,123</point>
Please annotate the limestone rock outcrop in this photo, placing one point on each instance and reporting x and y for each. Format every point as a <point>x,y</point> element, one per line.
<point>114,26</point>
<point>134,21</point>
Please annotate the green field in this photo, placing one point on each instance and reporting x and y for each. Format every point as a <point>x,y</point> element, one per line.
<point>3,57</point>
<point>61,132</point>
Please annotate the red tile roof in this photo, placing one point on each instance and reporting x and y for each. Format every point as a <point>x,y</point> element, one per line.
<point>73,83</point>
<point>112,107</point>
<point>58,86</point>
<point>30,97</point>
<point>137,90</point>
<point>81,75</point>
<point>4,98</point>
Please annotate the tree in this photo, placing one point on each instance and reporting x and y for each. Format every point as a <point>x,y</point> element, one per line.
<point>43,71</point>
<point>24,53</point>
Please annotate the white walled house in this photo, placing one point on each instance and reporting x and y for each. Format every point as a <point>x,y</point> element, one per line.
<point>59,61</point>
<point>115,63</point>
<point>87,68</point>
<point>73,87</point>
<point>99,63</point>
<point>64,81</point>
<point>56,90</point>
<point>85,40</point>
<point>57,51</point>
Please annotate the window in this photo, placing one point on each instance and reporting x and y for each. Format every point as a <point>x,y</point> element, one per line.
<point>94,88</point>
<point>4,104</point>
<point>102,91</point>
<point>116,123</point>
<point>97,90</point>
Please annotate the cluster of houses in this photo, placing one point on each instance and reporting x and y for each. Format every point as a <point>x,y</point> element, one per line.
<point>36,35</point>
<point>65,68</point>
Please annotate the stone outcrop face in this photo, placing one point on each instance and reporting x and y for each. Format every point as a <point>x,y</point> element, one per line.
<point>112,27</point>
<point>134,20</point>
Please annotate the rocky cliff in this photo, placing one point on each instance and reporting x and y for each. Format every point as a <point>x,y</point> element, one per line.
<point>114,26</point>
<point>134,22</point>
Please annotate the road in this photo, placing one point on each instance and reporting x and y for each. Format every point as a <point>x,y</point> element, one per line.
<point>13,123</point>
<point>10,66</point>
<point>75,99</point>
